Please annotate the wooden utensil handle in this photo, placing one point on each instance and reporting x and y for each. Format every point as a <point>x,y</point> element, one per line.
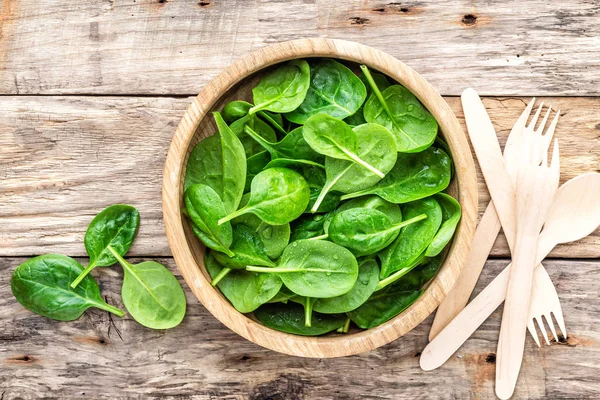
<point>511,343</point>
<point>458,297</point>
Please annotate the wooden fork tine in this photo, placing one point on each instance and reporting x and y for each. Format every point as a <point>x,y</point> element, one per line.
<point>550,323</point>
<point>533,332</point>
<point>549,134</point>
<point>535,117</point>
<point>542,327</point>
<point>561,322</point>
<point>540,128</point>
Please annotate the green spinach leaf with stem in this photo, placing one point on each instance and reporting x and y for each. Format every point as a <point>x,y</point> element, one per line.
<point>334,138</point>
<point>116,226</point>
<point>283,296</point>
<point>239,109</point>
<point>358,117</point>
<point>451,212</point>
<point>366,231</point>
<point>334,90</point>
<point>290,318</point>
<point>260,128</point>
<point>247,248</point>
<point>393,211</point>
<point>413,239</point>
<point>383,306</point>
<point>277,196</point>
<point>255,164</point>
<point>245,290</point>
<point>315,268</point>
<point>419,275</point>
<point>309,226</point>
<point>398,110</point>
<point>204,207</point>
<point>413,177</point>
<point>219,162</point>
<point>274,237</point>
<point>307,303</point>
<point>283,89</point>
<point>368,277</point>
<point>42,285</point>
<point>291,146</point>
<point>151,294</point>
<point>375,146</point>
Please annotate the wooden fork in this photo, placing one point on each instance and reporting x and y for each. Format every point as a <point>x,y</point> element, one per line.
<point>535,189</point>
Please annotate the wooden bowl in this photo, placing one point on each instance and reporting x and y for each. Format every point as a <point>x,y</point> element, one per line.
<point>235,83</point>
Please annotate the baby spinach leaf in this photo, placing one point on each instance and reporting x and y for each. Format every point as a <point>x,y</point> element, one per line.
<point>219,162</point>
<point>413,239</point>
<point>414,177</point>
<point>283,89</point>
<point>383,306</point>
<point>398,110</point>
<point>282,296</point>
<point>375,146</point>
<point>368,276</point>
<point>205,164</point>
<point>315,268</point>
<point>290,318</point>
<point>291,146</point>
<point>255,164</point>
<point>233,168</point>
<point>327,204</point>
<point>204,207</point>
<point>245,290</point>
<point>260,128</point>
<point>277,196</point>
<point>334,90</point>
<point>365,231</point>
<point>358,117</point>
<point>235,110</point>
<point>334,138</point>
<point>151,294</point>
<point>309,226</point>
<point>116,226</point>
<point>42,285</point>
<point>273,237</point>
<point>451,213</point>
<point>420,275</point>
<point>247,248</point>
<point>392,210</point>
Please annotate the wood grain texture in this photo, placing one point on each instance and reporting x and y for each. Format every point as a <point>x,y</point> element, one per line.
<point>177,46</point>
<point>62,160</point>
<point>97,358</point>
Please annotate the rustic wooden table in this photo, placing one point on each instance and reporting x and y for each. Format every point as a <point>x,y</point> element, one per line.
<point>90,95</point>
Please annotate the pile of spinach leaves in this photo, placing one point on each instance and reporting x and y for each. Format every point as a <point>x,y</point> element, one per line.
<point>58,287</point>
<point>322,201</point>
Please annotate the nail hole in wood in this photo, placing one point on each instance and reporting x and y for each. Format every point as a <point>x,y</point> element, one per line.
<point>490,358</point>
<point>469,19</point>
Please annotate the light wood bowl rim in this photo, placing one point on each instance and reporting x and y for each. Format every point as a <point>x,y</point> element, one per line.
<point>192,270</point>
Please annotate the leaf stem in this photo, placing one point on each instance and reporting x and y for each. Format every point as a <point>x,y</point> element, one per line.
<point>260,140</point>
<point>308,305</point>
<point>220,276</point>
<point>355,194</point>
<point>109,308</point>
<point>234,214</point>
<point>376,90</point>
<point>320,237</point>
<point>366,165</point>
<point>274,123</point>
<point>120,259</point>
<point>345,328</point>
<point>83,274</point>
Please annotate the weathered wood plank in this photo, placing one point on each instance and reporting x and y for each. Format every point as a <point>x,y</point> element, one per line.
<point>62,160</point>
<point>176,46</point>
<point>99,358</point>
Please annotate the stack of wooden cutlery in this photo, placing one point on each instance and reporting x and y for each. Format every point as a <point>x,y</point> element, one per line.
<point>535,215</point>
